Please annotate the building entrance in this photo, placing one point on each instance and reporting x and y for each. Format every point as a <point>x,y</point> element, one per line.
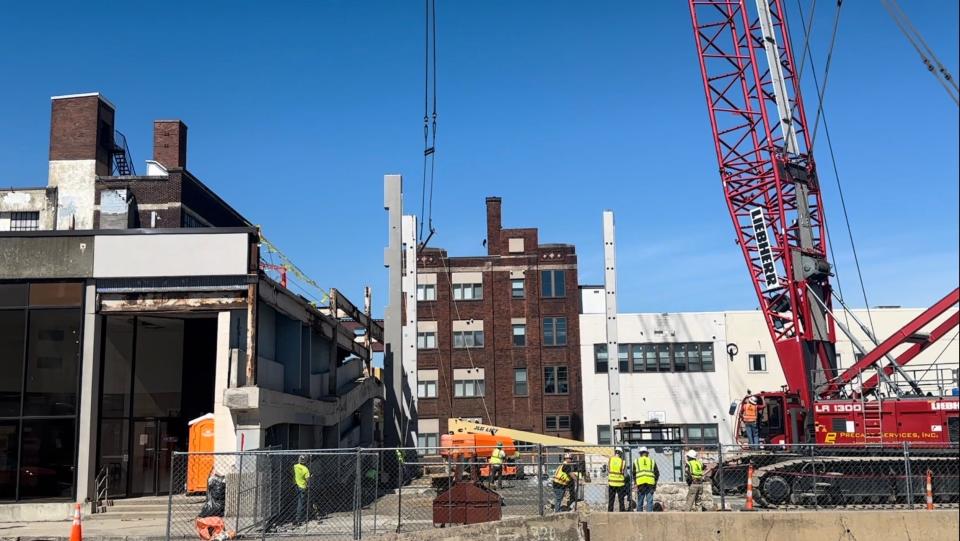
<point>158,374</point>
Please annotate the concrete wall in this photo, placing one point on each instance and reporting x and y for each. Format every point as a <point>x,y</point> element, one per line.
<point>42,200</point>
<point>685,397</point>
<point>46,257</point>
<point>783,526</point>
<point>74,180</point>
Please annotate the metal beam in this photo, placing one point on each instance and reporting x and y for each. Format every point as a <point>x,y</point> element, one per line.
<point>939,332</point>
<point>610,298</point>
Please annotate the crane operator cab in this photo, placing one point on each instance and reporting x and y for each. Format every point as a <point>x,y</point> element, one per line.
<point>780,419</point>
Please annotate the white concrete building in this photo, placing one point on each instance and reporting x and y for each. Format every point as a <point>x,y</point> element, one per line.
<point>674,367</point>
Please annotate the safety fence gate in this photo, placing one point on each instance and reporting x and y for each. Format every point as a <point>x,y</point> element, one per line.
<point>362,493</point>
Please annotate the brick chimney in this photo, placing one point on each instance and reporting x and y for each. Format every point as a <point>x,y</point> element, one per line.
<point>170,143</point>
<point>81,128</point>
<point>493,226</point>
<point>81,142</point>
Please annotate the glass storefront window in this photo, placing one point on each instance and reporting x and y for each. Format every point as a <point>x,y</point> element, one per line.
<point>47,458</point>
<point>40,335</point>
<point>12,327</point>
<point>157,378</point>
<point>117,365</point>
<point>53,361</point>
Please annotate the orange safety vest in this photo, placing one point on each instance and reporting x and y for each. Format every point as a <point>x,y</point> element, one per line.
<point>749,413</point>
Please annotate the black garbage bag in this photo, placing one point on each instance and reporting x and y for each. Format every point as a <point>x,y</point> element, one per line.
<point>216,497</point>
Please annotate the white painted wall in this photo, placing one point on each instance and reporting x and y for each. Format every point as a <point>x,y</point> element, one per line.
<point>170,255</point>
<point>74,180</point>
<point>694,397</point>
<point>705,397</point>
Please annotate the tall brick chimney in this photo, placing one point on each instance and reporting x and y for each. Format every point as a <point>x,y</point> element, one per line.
<point>493,226</point>
<point>81,141</point>
<point>170,143</point>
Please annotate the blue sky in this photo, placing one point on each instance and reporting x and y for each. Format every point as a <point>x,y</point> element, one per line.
<point>296,110</point>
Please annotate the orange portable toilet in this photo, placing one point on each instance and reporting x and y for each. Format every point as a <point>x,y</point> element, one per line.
<point>200,466</point>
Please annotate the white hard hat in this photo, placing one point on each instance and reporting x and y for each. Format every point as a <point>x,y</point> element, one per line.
<point>691,454</point>
<point>642,450</point>
<point>754,400</point>
<point>618,450</point>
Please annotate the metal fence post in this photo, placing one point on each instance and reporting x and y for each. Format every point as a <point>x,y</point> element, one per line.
<point>239,491</point>
<point>357,497</point>
<point>908,473</point>
<point>813,461</point>
<point>397,456</point>
<point>540,476</point>
<point>173,467</point>
<point>723,488</point>
<point>256,490</point>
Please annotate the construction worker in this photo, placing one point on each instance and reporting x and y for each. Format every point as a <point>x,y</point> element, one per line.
<point>562,482</point>
<point>301,474</point>
<point>646,474</point>
<point>748,415</point>
<point>401,473</point>
<point>616,479</point>
<point>693,471</point>
<point>497,456</point>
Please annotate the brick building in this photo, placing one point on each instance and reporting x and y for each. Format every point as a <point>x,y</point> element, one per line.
<point>498,335</point>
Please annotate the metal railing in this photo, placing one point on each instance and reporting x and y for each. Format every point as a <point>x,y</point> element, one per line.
<point>356,493</point>
<point>102,489</point>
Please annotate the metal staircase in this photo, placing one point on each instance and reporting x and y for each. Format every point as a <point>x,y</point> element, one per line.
<point>120,154</point>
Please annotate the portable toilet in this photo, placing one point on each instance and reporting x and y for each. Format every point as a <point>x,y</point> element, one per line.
<point>199,465</point>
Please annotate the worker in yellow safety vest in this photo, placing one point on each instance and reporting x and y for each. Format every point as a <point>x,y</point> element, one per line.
<point>497,456</point>
<point>646,473</point>
<point>301,475</point>
<point>616,480</point>
<point>693,471</point>
<point>563,481</point>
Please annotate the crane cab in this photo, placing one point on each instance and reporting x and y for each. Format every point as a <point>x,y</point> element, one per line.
<point>780,419</point>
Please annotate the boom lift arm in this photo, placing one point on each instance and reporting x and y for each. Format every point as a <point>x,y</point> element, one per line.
<point>460,426</point>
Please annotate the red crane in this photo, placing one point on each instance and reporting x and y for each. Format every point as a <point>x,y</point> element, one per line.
<point>770,182</point>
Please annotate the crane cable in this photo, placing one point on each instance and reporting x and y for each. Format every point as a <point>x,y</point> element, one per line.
<point>906,27</point>
<point>833,159</point>
<point>429,120</point>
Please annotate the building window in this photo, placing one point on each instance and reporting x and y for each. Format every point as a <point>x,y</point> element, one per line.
<point>426,441</point>
<point>516,288</point>
<point>520,382</point>
<point>701,434</point>
<point>40,338</point>
<point>468,388</point>
<point>551,284</point>
<point>426,340</point>
<point>467,292</point>
<point>600,365</point>
<point>555,380</point>
<point>427,389</point>
<point>426,292</point>
<point>519,334</point>
<point>554,331</point>
<point>603,435</point>
<point>467,339</point>
<point>678,357</point>
<point>190,219</point>
<point>758,362</point>
<point>557,422</point>
<point>24,221</point>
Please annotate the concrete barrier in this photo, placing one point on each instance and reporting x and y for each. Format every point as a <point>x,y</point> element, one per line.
<point>784,526</point>
<point>558,527</point>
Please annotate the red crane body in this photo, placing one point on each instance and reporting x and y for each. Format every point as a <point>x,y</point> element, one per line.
<point>770,182</point>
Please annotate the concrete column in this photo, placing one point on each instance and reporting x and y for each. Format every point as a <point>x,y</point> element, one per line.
<point>393,314</point>
<point>225,436</point>
<point>89,398</point>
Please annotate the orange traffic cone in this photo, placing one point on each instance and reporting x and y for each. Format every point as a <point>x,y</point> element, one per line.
<point>76,531</point>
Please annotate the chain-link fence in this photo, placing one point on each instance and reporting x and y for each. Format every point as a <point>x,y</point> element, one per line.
<point>356,493</point>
